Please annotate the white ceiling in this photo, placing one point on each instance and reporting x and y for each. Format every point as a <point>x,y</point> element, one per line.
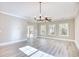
<point>56,10</point>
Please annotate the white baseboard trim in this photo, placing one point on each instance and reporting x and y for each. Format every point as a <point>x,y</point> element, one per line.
<point>62,39</point>
<point>11,42</point>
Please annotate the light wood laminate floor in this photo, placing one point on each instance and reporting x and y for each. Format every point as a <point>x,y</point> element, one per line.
<point>54,47</point>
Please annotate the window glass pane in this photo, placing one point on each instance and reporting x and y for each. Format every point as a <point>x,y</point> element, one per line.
<point>64,29</point>
<point>51,29</point>
<point>30,31</point>
<point>43,30</point>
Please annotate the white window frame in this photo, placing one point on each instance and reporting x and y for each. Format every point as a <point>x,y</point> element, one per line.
<point>43,29</point>
<point>50,26</point>
<point>30,31</point>
<point>62,25</point>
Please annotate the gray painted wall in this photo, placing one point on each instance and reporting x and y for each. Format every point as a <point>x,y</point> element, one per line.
<point>12,28</point>
<point>77,31</point>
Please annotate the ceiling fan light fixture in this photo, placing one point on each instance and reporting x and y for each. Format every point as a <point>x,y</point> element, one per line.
<point>40,18</point>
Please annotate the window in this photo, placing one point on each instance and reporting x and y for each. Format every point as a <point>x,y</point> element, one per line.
<point>64,29</point>
<point>42,29</point>
<point>51,30</point>
<point>30,32</point>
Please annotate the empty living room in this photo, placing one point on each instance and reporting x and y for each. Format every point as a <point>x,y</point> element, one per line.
<point>39,29</point>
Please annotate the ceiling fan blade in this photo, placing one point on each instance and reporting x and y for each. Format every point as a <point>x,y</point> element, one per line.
<point>48,19</point>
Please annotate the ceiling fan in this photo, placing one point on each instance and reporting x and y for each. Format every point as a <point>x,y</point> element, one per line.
<point>40,18</point>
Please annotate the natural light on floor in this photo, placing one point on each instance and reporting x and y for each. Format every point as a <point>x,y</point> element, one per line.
<point>33,52</point>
